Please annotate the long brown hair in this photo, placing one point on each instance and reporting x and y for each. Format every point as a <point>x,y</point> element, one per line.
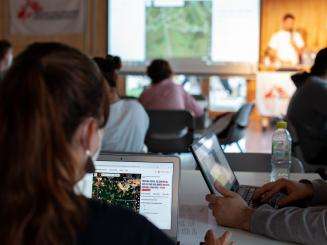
<point>44,97</point>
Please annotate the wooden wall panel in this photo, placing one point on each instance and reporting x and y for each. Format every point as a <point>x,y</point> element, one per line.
<point>311,20</point>
<point>92,41</point>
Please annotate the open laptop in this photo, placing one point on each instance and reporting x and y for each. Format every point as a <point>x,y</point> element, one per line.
<point>147,184</point>
<point>215,167</point>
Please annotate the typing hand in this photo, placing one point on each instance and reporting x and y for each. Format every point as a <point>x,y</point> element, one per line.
<point>230,210</point>
<point>295,192</point>
<point>210,239</point>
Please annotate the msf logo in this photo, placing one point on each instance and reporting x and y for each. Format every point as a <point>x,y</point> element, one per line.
<point>28,9</point>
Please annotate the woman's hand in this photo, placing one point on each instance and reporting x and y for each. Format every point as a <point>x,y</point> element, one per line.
<point>230,210</point>
<point>295,191</point>
<point>210,239</point>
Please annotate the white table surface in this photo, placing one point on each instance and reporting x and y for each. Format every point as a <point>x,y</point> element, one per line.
<point>195,218</point>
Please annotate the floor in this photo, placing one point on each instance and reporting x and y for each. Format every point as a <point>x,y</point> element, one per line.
<point>256,140</point>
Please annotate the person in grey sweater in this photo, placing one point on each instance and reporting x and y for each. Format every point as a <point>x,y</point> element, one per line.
<point>289,223</point>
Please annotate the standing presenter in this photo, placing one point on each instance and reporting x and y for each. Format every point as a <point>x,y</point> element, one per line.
<point>286,45</point>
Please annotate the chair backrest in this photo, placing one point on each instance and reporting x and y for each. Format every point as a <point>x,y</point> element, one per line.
<point>237,125</point>
<point>243,114</point>
<point>169,131</point>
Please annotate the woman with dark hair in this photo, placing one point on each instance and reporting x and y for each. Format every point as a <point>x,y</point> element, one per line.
<point>164,94</point>
<point>307,111</point>
<point>6,57</point>
<point>53,107</point>
<point>128,122</point>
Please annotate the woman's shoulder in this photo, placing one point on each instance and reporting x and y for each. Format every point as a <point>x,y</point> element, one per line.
<point>116,225</point>
<point>100,209</point>
<point>100,213</point>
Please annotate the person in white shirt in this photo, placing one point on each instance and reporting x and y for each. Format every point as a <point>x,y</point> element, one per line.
<point>286,46</point>
<point>128,122</point>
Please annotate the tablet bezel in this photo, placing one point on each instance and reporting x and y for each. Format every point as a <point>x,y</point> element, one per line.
<point>198,144</point>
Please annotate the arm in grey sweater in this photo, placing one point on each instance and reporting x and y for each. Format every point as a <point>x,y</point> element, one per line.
<point>305,226</point>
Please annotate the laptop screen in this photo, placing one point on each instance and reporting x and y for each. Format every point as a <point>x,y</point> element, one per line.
<point>144,187</point>
<point>213,162</point>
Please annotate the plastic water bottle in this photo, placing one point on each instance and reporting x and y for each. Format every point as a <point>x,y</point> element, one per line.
<point>281,152</point>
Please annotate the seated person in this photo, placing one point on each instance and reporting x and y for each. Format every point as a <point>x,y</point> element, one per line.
<point>291,224</point>
<point>53,107</point>
<point>307,111</point>
<point>6,57</point>
<point>164,94</point>
<point>128,122</point>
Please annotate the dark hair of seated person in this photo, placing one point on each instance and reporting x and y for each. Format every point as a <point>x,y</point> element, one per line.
<point>50,90</point>
<point>159,70</point>
<point>4,47</point>
<point>318,69</point>
<point>109,67</point>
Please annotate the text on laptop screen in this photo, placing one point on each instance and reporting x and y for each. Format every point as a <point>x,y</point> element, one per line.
<point>214,163</point>
<point>145,188</point>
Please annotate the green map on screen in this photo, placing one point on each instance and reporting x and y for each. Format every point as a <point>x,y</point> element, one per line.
<point>179,32</point>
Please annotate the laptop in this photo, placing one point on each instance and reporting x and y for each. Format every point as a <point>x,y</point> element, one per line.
<point>147,184</point>
<point>215,167</point>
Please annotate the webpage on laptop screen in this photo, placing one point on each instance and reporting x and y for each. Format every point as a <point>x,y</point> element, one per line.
<point>145,188</point>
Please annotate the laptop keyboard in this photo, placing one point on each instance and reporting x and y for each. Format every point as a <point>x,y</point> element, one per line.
<point>247,192</point>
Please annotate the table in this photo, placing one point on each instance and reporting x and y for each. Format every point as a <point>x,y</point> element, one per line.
<point>195,218</point>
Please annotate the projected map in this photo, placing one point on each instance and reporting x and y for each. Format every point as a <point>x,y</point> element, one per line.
<point>192,34</point>
<point>179,32</point>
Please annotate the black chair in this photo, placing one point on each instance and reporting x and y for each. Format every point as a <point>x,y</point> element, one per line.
<point>199,122</point>
<point>170,131</point>
<point>236,128</point>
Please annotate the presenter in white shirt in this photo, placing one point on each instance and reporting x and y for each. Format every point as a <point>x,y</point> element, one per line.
<point>286,45</point>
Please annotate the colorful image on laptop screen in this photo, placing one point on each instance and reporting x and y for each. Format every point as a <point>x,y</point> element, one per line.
<point>143,187</point>
<point>118,189</point>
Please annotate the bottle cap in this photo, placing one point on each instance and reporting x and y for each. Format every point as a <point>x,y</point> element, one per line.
<point>281,125</point>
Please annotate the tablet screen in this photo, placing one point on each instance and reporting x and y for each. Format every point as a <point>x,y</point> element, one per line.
<point>213,162</point>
